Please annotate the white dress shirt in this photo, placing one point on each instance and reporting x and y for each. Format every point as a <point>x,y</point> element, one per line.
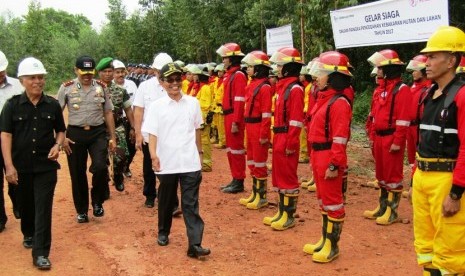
<point>8,89</point>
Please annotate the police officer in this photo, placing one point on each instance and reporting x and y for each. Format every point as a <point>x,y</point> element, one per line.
<point>8,88</point>
<point>33,130</point>
<point>89,110</point>
<point>121,103</point>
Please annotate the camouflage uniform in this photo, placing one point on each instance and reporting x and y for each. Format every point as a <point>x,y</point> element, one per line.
<point>121,101</point>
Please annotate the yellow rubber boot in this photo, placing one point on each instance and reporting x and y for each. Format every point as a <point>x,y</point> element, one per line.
<point>260,195</point>
<point>381,208</point>
<point>277,216</point>
<point>305,184</point>
<point>373,184</point>
<point>330,249</point>
<point>245,201</point>
<point>312,187</point>
<point>310,248</point>
<point>287,218</point>
<point>390,215</point>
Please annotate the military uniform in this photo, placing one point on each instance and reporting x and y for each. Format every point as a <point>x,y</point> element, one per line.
<point>86,128</point>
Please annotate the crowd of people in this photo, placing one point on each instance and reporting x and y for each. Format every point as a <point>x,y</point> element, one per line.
<point>249,105</point>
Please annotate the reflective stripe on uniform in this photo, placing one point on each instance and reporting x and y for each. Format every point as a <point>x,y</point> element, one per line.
<point>250,163</point>
<point>235,151</point>
<point>424,258</point>
<point>333,207</point>
<point>438,129</point>
<point>260,165</point>
<point>340,140</point>
<point>295,123</point>
<point>266,115</point>
<point>393,185</point>
<point>239,99</point>
<point>402,123</point>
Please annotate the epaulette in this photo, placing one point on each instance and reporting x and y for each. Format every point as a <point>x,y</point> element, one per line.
<point>68,83</point>
<point>101,83</point>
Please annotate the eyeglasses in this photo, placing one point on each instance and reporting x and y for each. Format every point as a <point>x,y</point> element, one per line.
<point>171,80</point>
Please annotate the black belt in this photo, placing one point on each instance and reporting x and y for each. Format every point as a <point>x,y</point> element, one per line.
<point>86,127</point>
<point>253,120</point>
<point>427,166</point>
<point>228,111</point>
<point>385,132</point>
<point>282,129</point>
<point>321,146</point>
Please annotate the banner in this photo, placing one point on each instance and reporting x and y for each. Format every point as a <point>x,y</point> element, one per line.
<point>277,38</point>
<point>388,22</point>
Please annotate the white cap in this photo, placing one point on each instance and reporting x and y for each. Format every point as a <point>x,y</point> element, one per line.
<point>160,60</point>
<point>31,66</point>
<point>3,62</point>
<point>118,64</point>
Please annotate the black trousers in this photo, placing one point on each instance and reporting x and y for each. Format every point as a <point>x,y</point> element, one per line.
<point>93,142</point>
<point>35,192</point>
<point>131,145</point>
<point>12,192</point>
<point>167,195</point>
<point>149,176</point>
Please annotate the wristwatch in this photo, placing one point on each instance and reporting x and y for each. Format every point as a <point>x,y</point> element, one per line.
<point>332,167</point>
<point>455,196</point>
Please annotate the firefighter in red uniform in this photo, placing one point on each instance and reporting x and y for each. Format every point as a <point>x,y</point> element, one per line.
<point>391,119</point>
<point>257,118</point>
<point>288,122</point>
<point>369,122</point>
<point>417,66</point>
<point>234,83</point>
<point>329,131</point>
<point>439,180</point>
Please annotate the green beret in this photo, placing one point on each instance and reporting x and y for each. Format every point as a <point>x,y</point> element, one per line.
<point>104,63</point>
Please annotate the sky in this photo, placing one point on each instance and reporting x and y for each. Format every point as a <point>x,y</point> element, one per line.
<point>93,9</point>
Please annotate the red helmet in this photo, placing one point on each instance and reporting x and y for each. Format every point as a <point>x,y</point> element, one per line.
<point>385,57</point>
<point>229,49</point>
<point>330,62</point>
<point>417,63</point>
<point>256,58</point>
<point>461,67</point>
<point>286,55</point>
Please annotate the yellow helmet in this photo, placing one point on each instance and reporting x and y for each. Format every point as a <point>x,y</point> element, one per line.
<point>446,39</point>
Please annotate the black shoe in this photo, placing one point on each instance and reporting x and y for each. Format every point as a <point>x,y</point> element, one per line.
<point>236,187</point>
<point>2,227</point>
<point>127,173</point>
<point>196,251</point>
<point>163,240</point>
<point>42,263</point>
<point>98,210</point>
<point>27,242</point>
<point>16,213</point>
<point>82,218</point>
<point>227,185</point>
<point>177,212</point>
<point>149,202</point>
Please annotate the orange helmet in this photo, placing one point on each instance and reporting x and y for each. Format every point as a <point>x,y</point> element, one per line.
<point>385,57</point>
<point>330,62</point>
<point>229,49</point>
<point>286,55</point>
<point>256,58</point>
<point>417,63</point>
<point>461,67</point>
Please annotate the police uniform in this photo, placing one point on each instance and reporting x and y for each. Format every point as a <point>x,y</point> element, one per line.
<point>86,128</point>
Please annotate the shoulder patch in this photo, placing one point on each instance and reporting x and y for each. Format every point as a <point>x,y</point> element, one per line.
<point>101,83</point>
<point>68,83</point>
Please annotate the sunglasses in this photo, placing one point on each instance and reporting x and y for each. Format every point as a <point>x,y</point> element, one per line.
<point>175,79</point>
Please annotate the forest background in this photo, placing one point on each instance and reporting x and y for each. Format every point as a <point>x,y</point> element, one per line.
<point>189,30</point>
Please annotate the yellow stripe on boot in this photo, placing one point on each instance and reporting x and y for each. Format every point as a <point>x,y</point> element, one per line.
<point>245,201</point>
<point>269,220</point>
<point>260,195</point>
<point>312,248</point>
<point>287,218</point>
<point>330,250</point>
<point>390,215</point>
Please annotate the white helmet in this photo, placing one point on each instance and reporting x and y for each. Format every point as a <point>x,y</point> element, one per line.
<point>3,62</point>
<point>31,66</point>
<point>160,60</point>
<point>118,64</point>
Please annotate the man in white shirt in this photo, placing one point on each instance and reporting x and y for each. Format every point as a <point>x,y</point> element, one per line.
<point>148,91</point>
<point>173,124</point>
<point>8,88</point>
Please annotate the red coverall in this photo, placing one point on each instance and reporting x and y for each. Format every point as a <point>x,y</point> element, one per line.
<point>329,191</point>
<point>257,124</point>
<point>419,92</point>
<point>389,165</point>
<point>284,173</point>
<point>233,110</point>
